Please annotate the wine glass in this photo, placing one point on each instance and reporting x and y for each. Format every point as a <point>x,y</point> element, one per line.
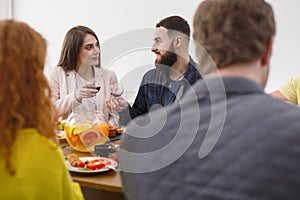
<point>116,90</point>
<point>96,85</point>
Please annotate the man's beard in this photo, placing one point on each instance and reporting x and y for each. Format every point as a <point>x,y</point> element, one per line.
<point>166,59</point>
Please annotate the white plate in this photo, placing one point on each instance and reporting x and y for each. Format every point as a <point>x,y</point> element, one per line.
<point>84,159</point>
<point>60,134</point>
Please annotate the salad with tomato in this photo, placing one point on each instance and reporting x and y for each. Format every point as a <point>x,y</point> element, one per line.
<point>91,164</point>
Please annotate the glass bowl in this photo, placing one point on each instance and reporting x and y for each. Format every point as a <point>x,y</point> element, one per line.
<point>84,130</point>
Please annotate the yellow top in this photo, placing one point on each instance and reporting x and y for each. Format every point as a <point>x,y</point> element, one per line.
<point>40,171</point>
<point>291,90</point>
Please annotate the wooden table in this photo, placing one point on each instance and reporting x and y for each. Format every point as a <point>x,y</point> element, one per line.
<point>107,183</point>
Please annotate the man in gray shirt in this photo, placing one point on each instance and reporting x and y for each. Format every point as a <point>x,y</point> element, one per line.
<point>226,139</point>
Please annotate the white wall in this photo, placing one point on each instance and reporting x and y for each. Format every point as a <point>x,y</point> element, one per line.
<point>122,20</point>
<point>5,9</point>
<point>285,63</point>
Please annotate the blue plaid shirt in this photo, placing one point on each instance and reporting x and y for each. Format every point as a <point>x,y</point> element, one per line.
<point>153,88</point>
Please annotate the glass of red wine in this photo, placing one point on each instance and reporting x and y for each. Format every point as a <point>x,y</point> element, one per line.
<point>116,90</point>
<point>96,86</point>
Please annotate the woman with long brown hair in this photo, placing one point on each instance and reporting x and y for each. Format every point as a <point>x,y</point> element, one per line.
<point>31,163</point>
<point>78,70</point>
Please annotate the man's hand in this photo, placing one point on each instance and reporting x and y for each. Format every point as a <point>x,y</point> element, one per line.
<point>117,104</point>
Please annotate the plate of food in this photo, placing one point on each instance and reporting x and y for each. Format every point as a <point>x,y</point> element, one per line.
<point>89,164</point>
<point>60,134</point>
<point>60,124</point>
<point>115,133</point>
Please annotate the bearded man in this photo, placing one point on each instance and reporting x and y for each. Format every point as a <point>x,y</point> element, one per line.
<point>175,71</point>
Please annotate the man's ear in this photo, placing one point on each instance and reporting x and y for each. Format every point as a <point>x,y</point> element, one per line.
<point>177,42</point>
<point>268,53</point>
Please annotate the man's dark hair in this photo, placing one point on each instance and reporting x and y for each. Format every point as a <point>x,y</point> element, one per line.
<point>175,23</point>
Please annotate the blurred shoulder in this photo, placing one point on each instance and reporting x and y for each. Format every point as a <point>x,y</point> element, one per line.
<point>296,79</point>
<point>34,138</point>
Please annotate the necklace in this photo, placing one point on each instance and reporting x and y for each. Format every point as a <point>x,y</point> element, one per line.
<point>171,82</point>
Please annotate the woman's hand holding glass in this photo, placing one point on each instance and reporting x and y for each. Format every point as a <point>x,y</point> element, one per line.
<point>86,91</point>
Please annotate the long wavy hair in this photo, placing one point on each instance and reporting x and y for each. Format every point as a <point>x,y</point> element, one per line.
<point>24,90</point>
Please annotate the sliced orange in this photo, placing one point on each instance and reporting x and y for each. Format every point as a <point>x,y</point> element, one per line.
<point>102,127</point>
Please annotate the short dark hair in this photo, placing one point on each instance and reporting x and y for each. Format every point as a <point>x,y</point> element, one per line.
<point>175,23</point>
<point>234,31</point>
<point>71,46</point>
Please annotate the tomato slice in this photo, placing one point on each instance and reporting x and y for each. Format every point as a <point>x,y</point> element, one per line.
<point>99,165</point>
<point>90,165</point>
<point>80,163</point>
<point>95,164</point>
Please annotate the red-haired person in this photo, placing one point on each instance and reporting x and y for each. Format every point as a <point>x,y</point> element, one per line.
<point>32,165</point>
